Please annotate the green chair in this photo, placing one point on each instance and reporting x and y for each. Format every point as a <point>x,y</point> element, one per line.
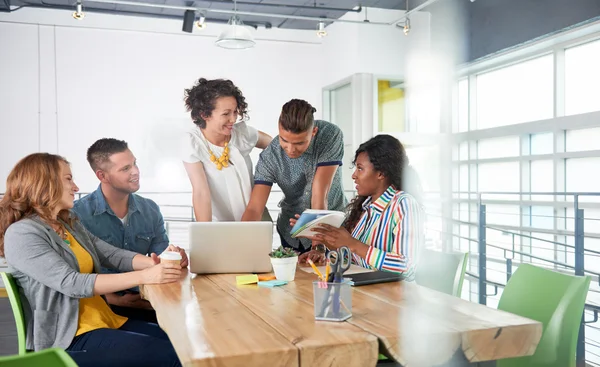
<point>554,299</point>
<point>53,357</point>
<point>17,308</point>
<point>442,271</point>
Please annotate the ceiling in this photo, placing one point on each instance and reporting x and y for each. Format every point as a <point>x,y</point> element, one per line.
<point>313,8</point>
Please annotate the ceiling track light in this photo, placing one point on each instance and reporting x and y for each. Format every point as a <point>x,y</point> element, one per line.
<point>78,13</point>
<point>406,27</point>
<point>321,32</point>
<point>201,22</point>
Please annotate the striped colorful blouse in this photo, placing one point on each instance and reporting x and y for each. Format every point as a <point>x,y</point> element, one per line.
<point>392,227</point>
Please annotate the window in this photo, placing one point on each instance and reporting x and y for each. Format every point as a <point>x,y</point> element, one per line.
<point>515,94</point>
<point>461,121</point>
<point>578,174</point>
<point>583,139</point>
<point>508,215</point>
<point>541,143</point>
<point>503,177</point>
<point>542,179</point>
<point>498,147</point>
<point>582,77</point>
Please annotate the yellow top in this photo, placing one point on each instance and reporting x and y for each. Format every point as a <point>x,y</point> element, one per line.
<point>94,312</point>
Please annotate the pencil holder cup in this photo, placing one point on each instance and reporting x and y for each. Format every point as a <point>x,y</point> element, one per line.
<point>333,301</point>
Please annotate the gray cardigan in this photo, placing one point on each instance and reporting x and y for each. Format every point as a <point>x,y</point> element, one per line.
<point>50,283</point>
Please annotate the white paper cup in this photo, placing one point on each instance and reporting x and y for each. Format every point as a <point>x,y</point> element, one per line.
<point>171,257</point>
<point>285,268</point>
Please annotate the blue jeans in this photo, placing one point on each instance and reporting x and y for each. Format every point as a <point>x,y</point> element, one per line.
<point>136,343</point>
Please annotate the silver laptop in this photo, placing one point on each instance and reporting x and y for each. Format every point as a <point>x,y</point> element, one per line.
<point>230,247</point>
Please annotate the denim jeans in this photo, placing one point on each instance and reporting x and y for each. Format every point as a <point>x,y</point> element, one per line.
<point>136,343</point>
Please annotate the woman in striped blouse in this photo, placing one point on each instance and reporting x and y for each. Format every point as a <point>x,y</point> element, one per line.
<point>384,227</point>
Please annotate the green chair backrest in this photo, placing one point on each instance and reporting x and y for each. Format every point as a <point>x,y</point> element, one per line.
<point>442,271</point>
<point>554,299</point>
<point>53,357</point>
<point>17,308</point>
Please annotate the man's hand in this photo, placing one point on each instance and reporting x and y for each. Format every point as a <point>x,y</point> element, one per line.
<point>129,299</point>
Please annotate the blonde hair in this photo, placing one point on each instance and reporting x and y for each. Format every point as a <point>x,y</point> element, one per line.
<point>34,186</point>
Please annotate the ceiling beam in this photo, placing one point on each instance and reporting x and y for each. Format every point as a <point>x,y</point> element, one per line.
<point>356,9</point>
<point>238,12</point>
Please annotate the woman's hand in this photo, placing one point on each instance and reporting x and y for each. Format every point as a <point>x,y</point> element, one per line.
<point>184,258</point>
<point>165,272</point>
<point>316,257</point>
<point>333,237</point>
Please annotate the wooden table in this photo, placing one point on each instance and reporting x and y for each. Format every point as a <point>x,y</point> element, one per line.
<point>213,322</point>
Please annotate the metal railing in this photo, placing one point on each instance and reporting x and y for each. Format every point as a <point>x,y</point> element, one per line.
<point>517,234</point>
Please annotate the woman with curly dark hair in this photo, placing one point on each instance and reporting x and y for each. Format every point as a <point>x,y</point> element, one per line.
<point>384,226</point>
<point>216,151</point>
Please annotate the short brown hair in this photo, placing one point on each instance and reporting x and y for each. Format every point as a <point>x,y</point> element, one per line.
<point>297,116</point>
<point>99,153</point>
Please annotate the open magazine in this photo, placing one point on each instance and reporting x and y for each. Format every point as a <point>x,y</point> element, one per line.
<point>312,217</point>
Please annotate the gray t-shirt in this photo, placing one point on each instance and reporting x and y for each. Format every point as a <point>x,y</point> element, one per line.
<point>295,176</point>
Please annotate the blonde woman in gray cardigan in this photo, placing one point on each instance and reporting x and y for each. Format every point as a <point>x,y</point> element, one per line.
<point>56,263</point>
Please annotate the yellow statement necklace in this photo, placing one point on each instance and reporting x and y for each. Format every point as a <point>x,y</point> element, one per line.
<point>223,160</point>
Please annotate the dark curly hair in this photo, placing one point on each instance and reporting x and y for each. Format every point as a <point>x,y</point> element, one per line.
<point>388,156</point>
<point>201,98</point>
<point>297,116</point>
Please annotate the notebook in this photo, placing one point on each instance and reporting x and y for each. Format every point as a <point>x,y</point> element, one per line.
<point>373,277</point>
<point>313,217</point>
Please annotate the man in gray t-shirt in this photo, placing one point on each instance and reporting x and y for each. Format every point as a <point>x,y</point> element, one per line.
<point>303,160</point>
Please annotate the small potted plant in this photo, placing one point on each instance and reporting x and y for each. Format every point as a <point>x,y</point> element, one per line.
<point>284,262</point>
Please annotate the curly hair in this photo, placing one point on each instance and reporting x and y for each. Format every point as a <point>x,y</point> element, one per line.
<point>34,186</point>
<point>297,116</point>
<point>388,156</point>
<point>200,100</point>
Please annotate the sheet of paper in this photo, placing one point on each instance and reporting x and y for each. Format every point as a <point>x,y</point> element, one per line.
<point>246,279</point>
<point>272,283</point>
<point>354,269</point>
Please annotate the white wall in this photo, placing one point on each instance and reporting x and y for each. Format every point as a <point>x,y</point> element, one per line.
<point>381,50</point>
<point>66,83</point>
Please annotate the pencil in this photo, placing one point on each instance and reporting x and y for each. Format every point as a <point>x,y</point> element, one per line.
<point>312,264</point>
<point>327,270</point>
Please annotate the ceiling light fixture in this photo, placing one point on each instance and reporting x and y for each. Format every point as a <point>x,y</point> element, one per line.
<point>78,13</point>
<point>406,25</point>
<point>236,36</point>
<point>321,32</point>
<point>201,22</point>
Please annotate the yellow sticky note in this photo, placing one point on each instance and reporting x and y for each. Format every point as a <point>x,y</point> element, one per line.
<point>246,279</point>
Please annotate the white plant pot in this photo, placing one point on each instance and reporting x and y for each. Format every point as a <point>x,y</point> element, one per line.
<point>284,268</point>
